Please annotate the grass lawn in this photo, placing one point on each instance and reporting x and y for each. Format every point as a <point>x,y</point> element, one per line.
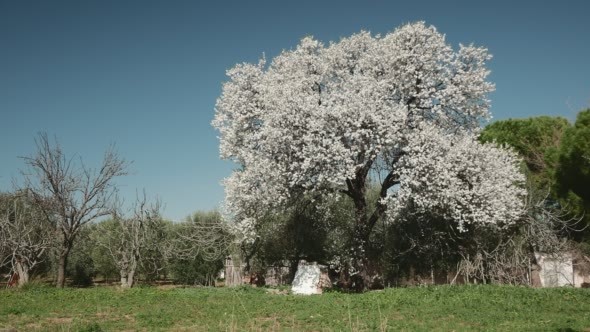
<point>442,308</point>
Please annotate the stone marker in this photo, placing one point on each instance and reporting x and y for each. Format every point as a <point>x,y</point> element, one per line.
<point>310,278</point>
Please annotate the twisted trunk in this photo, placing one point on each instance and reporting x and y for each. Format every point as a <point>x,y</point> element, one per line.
<point>23,271</point>
<point>364,224</point>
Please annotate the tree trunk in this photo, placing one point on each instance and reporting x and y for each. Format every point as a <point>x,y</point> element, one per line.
<point>123,279</point>
<point>22,269</point>
<point>360,279</point>
<point>131,279</point>
<point>62,264</point>
<point>128,274</point>
<point>365,222</point>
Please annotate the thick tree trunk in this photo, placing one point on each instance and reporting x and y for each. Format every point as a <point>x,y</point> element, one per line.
<point>62,264</point>
<point>365,222</point>
<point>23,271</point>
<point>123,279</point>
<point>61,271</point>
<point>364,225</point>
<point>356,189</point>
<point>131,279</point>
<point>361,278</point>
<point>127,273</point>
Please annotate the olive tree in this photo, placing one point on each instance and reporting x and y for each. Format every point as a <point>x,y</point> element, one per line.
<point>126,239</point>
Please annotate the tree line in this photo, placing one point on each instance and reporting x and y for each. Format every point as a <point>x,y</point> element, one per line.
<point>67,221</point>
<point>35,224</point>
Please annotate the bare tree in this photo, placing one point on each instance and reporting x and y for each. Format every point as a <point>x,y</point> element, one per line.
<point>70,193</point>
<point>201,243</point>
<point>25,235</point>
<point>205,235</point>
<point>126,239</point>
<point>509,257</point>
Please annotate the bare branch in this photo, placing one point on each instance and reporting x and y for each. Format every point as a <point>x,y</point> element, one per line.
<point>70,193</point>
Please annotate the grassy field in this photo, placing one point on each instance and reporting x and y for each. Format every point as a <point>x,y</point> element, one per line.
<point>441,308</point>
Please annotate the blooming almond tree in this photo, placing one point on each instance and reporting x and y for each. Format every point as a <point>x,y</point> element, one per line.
<point>403,108</point>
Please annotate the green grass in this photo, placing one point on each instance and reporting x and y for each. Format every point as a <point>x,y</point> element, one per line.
<point>441,308</point>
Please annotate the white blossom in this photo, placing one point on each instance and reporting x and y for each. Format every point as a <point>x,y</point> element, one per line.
<point>406,105</point>
<point>457,178</point>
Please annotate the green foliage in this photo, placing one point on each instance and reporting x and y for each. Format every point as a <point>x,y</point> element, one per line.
<point>92,327</point>
<point>195,271</point>
<point>573,173</point>
<point>80,266</point>
<point>102,259</point>
<point>317,229</point>
<point>446,308</point>
<point>557,156</point>
<point>299,233</point>
<point>311,228</point>
<point>36,287</point>
<point>536,139</point>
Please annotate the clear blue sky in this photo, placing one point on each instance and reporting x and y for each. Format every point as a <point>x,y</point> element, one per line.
<point>146,74</point>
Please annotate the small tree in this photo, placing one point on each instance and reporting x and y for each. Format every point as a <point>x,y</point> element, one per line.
<point>198,248</point>
<point>507,256</point>
<point>203,234</point>
<point>69,193</point>
<point>126,239</point>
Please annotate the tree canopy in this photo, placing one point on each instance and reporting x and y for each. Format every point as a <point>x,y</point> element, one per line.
<point>536,139</point>
<point>556,154</point>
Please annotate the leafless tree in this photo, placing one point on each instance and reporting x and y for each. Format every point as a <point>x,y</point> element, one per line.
<point>509,258</point>
<point>126,239</point>
<point>69,193</point>
<point>25,235</point>
<point>203,238</point>
<point>204,235</point>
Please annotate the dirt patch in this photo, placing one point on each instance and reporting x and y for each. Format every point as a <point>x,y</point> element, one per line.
<point>60,320</point>
<point>102,314</point>
<point>32,326</point>
<point>129,318</point>
<point>8,329</point>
